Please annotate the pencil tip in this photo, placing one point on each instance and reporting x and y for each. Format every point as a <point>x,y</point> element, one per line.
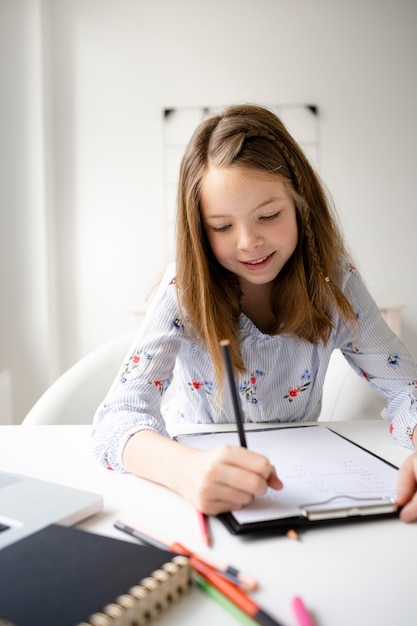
<point>292,534</point>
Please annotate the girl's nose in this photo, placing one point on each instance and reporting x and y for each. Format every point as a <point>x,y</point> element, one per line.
<point>249,239</point>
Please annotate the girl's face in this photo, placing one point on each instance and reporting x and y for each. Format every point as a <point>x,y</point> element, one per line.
<point>250,220</point>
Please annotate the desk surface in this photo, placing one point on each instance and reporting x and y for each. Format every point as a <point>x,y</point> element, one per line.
<point>351,574</point>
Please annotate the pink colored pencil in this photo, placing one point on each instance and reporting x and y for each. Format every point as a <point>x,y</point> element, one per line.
<point>301,612</point>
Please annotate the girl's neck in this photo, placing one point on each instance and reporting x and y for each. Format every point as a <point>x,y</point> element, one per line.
<point>256,304</point>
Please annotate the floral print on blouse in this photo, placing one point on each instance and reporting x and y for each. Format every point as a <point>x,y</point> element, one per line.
<point>283,381</point>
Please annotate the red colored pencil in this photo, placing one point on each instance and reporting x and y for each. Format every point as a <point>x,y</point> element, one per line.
<point>204,528</point>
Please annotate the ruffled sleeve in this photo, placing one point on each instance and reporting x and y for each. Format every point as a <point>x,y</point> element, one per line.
<point>134,400</point>
<point>378,355</point>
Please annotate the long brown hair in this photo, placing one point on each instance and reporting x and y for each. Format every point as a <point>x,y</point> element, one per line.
<point>306,290</point>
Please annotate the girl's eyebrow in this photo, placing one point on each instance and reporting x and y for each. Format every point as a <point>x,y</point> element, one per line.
<point>259,206</point>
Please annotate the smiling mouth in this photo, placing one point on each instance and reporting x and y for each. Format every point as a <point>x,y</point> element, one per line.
<point>258,261</point>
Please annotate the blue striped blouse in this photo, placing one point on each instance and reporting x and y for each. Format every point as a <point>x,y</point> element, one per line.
<point>283,380</point>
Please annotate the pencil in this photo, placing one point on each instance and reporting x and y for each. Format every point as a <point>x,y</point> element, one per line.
<point>246,582</point>
<point>223,601</point>
<point>292,534</point>
<point>204,528</point>
<point>227,358</point>
<point>300,610</point>
<point>237,596</point>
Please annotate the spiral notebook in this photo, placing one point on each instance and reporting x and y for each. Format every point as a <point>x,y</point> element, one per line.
<point>64,576</point>
<point>327,479</point>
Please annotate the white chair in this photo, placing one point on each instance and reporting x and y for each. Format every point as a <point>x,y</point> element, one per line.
<point>74,397</point>
<point>347,396</point>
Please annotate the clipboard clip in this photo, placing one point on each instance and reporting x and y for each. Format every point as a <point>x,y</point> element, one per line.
<point>315,511</point>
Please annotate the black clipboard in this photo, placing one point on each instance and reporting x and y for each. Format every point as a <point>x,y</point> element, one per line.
<point>371,480</point>
<point>298,523</point>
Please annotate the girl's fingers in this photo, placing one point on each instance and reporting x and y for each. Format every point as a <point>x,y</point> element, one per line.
<point>406,489</point>
<point>273,481</point>
<point>231,477</point>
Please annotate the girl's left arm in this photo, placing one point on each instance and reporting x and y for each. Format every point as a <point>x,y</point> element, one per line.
<point>377,355</point>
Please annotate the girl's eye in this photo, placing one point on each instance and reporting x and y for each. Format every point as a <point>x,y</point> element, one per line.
<point>221,229</point>
<point>268,218</point>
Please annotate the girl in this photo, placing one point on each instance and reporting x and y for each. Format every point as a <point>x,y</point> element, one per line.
<point>260,261</point>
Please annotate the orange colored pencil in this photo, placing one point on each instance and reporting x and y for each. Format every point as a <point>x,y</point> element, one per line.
<point>237,577</point>
<point>236,595</point>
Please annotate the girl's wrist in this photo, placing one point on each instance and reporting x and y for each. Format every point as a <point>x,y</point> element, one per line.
<point>414,437</point>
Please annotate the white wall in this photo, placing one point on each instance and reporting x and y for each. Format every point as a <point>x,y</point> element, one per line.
<point>84,83</point>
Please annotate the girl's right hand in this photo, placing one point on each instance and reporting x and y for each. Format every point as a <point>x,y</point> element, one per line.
<point>226,478</point>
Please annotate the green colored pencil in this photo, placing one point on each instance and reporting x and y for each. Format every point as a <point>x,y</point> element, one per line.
<point>211,591</point>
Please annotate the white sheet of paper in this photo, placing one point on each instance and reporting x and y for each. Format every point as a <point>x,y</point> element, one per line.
<point>315,465</point>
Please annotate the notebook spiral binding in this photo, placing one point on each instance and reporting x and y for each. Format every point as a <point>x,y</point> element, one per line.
<point>146,600</point>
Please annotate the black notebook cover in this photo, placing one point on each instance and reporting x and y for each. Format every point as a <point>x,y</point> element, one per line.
<point>60,576</point>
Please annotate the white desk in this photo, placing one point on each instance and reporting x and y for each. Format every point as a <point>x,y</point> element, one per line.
<point>359,574</point>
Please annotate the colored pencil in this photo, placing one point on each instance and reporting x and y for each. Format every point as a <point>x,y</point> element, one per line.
<point>227,358</point>
<point>292,534</point>
<point>237,596</point>
<point>301,612</point>
<point>238,578</point>
<point>223,601</point>
<point>204,528</point>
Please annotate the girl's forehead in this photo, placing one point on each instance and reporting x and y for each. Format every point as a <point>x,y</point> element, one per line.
<point>228,187</point>
<point>238,175</point>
